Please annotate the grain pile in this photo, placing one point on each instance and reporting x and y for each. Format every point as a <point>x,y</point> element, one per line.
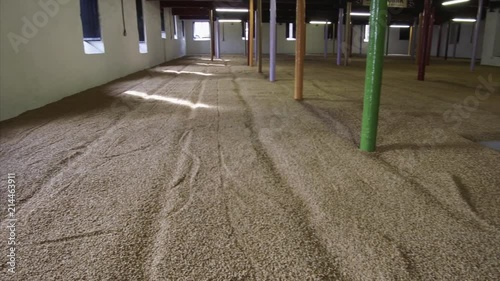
<point>199,170</point>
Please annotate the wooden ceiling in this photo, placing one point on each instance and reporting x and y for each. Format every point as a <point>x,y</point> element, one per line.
<point>320,9</point>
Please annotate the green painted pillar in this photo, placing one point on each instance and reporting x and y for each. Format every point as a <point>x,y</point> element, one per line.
<point>373,76</point>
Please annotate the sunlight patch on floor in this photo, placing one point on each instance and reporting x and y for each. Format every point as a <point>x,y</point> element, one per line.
<point>167,99</point>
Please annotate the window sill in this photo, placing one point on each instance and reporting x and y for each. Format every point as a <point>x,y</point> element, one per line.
<point>93,47</point>
<point>143,47</point>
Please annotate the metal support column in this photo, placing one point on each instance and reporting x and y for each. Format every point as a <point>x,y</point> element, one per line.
<point>272,41</point>
<point>373,79</point>
<point>339,36</point>
<point>259,26</point>
<point>212,36</point>
<point>447,45</point>
<point>300,49</point>
<point>476,35</point>
<point>251,33</point>
<point>348,33</point>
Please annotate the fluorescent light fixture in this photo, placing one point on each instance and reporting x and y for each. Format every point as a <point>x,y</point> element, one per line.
<point>319,22</point>
<point>399,26</point>
<point>463,20</point>
<point>447,3</point>
<point>229,10</point>
<point>359,14</point>
<point>229,20</point>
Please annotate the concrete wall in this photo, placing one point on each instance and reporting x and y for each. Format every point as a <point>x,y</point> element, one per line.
<point>47,62</point>
<point>491,45</point>
<point>230,39</point>
<point>231,43</point>
<point>173,47</point>
<point>194,47</point>
<point>464,45</point>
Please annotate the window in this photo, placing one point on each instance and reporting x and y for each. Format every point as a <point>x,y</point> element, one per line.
<point>163,31</point>
<point>183,30</point>
<point>244,31</point>
<point>90,20</point>
<point>143,47</point>
<point>174,18</point>
<point>404,34</point>
<point>89,13</point>
<point>367,33</point>
<point>290,32</point>
<point>201,30</point>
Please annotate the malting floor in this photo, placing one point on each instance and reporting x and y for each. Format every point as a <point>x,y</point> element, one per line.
<point>200,170</point>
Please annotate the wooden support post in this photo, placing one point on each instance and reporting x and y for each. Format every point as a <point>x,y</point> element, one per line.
<point>325,40</point>
<point>414,39</point>
<point>410,43</point>
<point>300,49</point>
<point>256,35</point>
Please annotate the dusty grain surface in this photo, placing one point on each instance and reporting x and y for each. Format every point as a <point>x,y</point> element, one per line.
<point>199,170</point>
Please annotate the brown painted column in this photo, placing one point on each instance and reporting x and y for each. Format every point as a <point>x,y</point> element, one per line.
<point>410,42</point>
<point>423,40</point>
<point>347,33</point>
<point>251,13</point>
<point>419,37</point>
<point>430,34</point>
<point>300,49</point>
<point>212,35</point>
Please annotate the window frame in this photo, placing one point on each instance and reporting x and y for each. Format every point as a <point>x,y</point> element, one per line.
<point>366,38</point>
<point>194,31</point>
<point>291,32</point>
<point>174,19</point>
<point>163,24</point>
<point>90,20</point>
<point>141,26</point>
